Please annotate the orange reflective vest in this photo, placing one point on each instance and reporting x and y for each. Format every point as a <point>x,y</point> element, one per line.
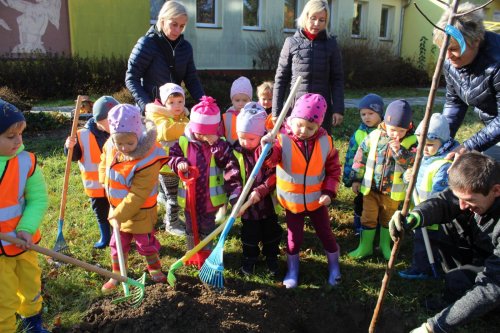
<point>298,180</point>
<point>269,122</point>
<point>12,186</point>
<point>119,175</point>
<point>229,119</point>
<point>89,163</point>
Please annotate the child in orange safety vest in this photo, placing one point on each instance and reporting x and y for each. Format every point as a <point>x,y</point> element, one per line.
<point>23,204</point>
<point>241,94</point>
<point>87,149</point>
<point>307,180</point>
<point>130,164</point>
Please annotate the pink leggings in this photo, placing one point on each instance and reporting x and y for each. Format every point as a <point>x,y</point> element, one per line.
<point>321,223</point>
<point>146,244</point>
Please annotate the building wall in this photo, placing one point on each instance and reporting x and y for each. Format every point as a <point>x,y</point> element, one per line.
<point>416,27</point>
<point>107,27</point>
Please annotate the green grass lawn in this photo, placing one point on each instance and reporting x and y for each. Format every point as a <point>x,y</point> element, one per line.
<point>68,291</point>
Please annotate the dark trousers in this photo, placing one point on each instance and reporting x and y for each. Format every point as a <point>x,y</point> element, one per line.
<point>100,206</point>
<point>267,231</point>
<point>358,204</point>
<point>420,260</point>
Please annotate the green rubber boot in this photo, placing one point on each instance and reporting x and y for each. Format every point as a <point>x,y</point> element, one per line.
<point>365,247</point>
<point>385,242</point>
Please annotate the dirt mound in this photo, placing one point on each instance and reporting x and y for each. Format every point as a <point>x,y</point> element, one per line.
<point>240,307</point>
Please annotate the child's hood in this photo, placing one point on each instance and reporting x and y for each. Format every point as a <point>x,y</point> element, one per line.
<point>146,142</point>
<point>445,149</point>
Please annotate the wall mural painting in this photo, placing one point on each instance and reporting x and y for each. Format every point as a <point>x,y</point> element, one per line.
<point>34,26</point>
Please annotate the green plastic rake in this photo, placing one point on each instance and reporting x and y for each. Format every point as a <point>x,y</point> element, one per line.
<point>137,287</point>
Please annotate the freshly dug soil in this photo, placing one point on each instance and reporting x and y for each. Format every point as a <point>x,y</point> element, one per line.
<point>240,307</point>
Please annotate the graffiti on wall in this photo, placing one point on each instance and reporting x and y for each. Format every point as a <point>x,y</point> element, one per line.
<point>34,26</point>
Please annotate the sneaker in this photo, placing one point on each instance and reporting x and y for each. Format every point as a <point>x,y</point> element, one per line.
<point>109,286</point>
<point>158,276</point>
<point>414,274</point>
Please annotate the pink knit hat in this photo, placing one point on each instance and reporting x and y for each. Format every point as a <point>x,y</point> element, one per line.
<point>252,119</point>
<point>125,118</point>
<point>242,85</point>
<point>168,89</point>
<point>205,117</point>
<point>311,107</point>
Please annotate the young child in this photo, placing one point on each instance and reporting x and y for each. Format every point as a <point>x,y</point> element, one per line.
<point>265,95</point>
<point>432,178</point>
<point>170,118</point>
<point>87,149</point>
<point>377,172</point>
<point>308,176</point>
<point>241,94</point>
<point>23,205</point>
<point>371,111</point>
<point>200,146</point>
<point>130,163</point>
<point>260,222</point>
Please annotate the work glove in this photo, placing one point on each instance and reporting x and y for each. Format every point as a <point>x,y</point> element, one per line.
<point>399,223</point>
<point>421,329</point>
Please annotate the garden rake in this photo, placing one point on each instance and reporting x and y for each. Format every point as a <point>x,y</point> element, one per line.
<point>61,245</point>
<point>138,288</point>
<point>185,259</point>
<point>212,270</point>
<point>449,31</point>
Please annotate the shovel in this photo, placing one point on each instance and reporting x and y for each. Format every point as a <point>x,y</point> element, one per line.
<point>137,286</point>
<point>189,179</point>
<point>61,245</point>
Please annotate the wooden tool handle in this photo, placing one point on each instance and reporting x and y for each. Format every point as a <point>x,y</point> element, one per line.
<point>61,257</point>
<point>74,126</point>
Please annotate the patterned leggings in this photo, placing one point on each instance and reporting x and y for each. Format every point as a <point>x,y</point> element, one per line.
<point>170,184</point>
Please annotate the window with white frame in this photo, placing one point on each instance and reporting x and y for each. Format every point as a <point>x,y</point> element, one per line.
<point>386,22</point>
<point>290,14</point>
<point>251,14</point>
<point>206,13</point>
<point>359,18</point>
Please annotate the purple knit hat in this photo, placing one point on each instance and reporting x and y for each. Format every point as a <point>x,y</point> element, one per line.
<point>125,118</point>
<point>205,117</point>
<point>252,119</point>
<point>311,107</point>
<point>242,85</point>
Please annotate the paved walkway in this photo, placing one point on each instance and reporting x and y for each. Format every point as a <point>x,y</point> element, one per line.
<point>349,103</point>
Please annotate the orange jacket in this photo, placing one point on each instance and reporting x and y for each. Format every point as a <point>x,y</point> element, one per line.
<point>299,181</point>
<point>89,163</point>
<point>12,185</point>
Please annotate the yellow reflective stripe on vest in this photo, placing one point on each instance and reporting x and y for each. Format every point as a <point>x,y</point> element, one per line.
<point>215,181</point>
<point>241,163</point>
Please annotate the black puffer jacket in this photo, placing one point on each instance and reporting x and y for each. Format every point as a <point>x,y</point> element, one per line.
<point>319,62</point>
<point>148,67</point>
<point>477,85</point>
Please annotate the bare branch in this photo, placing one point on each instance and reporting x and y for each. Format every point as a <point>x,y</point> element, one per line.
<point>473,10</point>
<point>428,20</point>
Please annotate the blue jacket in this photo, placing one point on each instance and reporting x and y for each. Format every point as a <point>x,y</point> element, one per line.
<point>319,62</point>
<point>477,85</point>
<point>148,67</point>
